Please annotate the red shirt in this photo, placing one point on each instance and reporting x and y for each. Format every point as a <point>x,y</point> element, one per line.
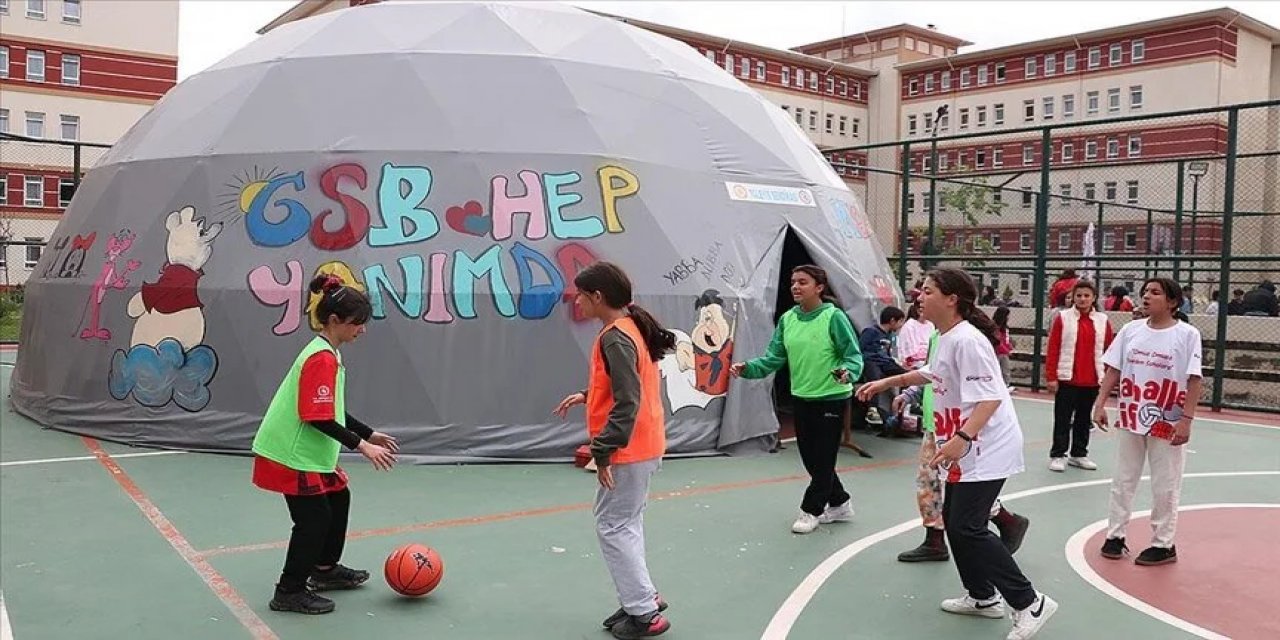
<point>1084,371</point>
<point>316,387</point>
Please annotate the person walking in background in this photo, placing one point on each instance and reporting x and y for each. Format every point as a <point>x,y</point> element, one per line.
<point>1077,339</point>
<point>1004,346</point>
<point>816,341</point>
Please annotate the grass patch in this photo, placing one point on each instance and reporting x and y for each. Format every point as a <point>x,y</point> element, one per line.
<point>10,325</point>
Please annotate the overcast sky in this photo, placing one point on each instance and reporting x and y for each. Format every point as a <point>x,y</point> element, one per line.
<point>212,29</point>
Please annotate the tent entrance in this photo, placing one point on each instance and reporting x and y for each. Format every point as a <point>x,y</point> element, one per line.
<point>794,254</point>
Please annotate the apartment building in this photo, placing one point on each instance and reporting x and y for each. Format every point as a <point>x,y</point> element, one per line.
<point>70,70</point>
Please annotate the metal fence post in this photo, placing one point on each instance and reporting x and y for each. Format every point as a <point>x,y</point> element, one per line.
<point>1042,246</point>
<point>1146,274</point>
<point>1224,267</point>
<point>906,220</point>
<point>933,196</point>
<point>75,166</point>
<point>1177,222</point>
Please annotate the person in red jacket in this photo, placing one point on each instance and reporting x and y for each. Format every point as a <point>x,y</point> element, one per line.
<point>1077,339</point>
<point>1060,290</point>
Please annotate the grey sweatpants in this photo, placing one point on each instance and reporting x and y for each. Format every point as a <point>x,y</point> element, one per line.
<point>620,527</point>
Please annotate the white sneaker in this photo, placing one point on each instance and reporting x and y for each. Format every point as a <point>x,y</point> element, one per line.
<point>1058,464</point>
<point>1083,463</point>
<point>838,513</point>
<point>1027,622</point>
<point>968,606</point>
<point>806,523</point>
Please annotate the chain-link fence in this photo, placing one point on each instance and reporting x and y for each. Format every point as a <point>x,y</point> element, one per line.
<point>37,181</point>
<point>1192,195</point>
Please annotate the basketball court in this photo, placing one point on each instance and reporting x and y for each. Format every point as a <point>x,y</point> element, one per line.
<point>99,540</point>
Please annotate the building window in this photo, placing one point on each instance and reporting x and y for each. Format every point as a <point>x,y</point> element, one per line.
<point>1135,146</point>
<point>997,158</point>
<point>998,113</point>
<point>744,67</point>
<point>34,248</point>
<point>1133,191</point>
<point>1090,191</point>
<point>1095,57</point>
<point>964,118</point>
<point>1028,110</point>
<point>35,65</point>
<point>71,11</point>
<point>799,116</point>
<point>1064,240</point>
<point>857,90</point>
<point>1069,62</point>
<point>982,116</point>
<point>1117,55</point>
<point>844,124</point>
<point>1028,153</point>
<point>1031,67</point>
<point>35,124</point>
<point>1024,245</point>
<point>760,70</point>
<point>928,122</point>
<point>1110,189</point>
<point>1024,282</point>
<point>70,127</point>
<point>1113,147</point>
<point>66,189</point>
<point>1068,151</point>
<point>911,125</point>
<point>711,55</point>
<point>4,121</point>
<point>1091,103</point>
<point>1065,191</point>
<point>1091,150</point>
<point>4,11</point>
<point>911,202</point>
<point>1109,240</point>
<point>1135,97</point>
<point>786,75</point>
<point>964,77</point>
<point>1130,240</point>
<point>35,9</point>
<point>4,62</point>
<point>813,120</point>
<point>913,87</point>
<point>799,78</point>
<point>1113,100</point>
<point>982,75</point>
<point>928,83</point>
<point>831,123</point>
<point>946,80</point>
<point>4,199</point>
<point>33,191</point>
<point>1050,64</point>
<point>1000,73</point>
<point>70,69</point>
<point>980,160</point>
<point>856,123</point>
<point>1138,50</point>
<point>813,80</point>
<point>831,85</point>
<point>728,62</point>
<point>995,246</point>
<point>1069,105</point>
<point>1027,198</point>
<point>1047,108</point>
<point>844,87</point>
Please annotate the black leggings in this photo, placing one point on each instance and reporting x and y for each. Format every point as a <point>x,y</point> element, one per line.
<point>1072,420</point>
<point>319,534</point>
<point>819,424</point>
<point>984,563</point>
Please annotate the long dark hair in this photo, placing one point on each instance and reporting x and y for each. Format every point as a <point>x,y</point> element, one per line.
<point>1172,291</point>
<point>612,283</point>
<point>954,282</point>
<point>1117,296</point>
<point>337,299</point>
<point>1001,317</point>
<point>819,276</point>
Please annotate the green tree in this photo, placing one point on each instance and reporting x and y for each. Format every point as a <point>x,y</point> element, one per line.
<point>975,202</point>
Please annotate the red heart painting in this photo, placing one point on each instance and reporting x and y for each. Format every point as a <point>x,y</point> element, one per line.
<point>468,219</point>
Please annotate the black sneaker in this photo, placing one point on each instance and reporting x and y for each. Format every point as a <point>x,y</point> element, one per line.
<point>925,553</point>
<point>1152,556</point>
<point>338,577</point>
<point>1114,548</point>
<point>304,601</point>
<point>1013,534</point>
<point>621,614</point>
<point>633,627</point>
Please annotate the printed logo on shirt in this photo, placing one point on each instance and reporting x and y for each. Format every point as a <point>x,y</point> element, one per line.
<point>982,378</point>
<point>947,422</point>
<point>324,395</point>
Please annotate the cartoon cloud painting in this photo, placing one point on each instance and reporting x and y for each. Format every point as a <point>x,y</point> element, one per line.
<point>167,360</point>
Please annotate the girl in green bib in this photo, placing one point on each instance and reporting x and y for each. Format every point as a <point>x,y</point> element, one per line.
<point>296,453</point>
<point>816,341</point>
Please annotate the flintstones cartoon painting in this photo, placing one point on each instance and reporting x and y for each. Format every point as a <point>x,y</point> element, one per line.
<point>698,370</point>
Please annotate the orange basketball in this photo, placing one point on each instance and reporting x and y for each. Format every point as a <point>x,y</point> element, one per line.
<point>413,569</point>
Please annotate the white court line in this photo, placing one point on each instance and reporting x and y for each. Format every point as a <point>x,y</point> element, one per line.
<point>1075,557</point>
<point>787,614</point>
<point>143,454</point>
<point>6,630</point>
<point>1197,418</point>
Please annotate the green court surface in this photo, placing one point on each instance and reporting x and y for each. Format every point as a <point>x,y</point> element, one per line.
<point>111,544</point>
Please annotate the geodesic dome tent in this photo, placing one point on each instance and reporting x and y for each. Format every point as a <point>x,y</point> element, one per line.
<point>460,163</point>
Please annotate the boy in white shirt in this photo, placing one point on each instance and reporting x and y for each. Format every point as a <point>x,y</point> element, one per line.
<point>1156,363</point>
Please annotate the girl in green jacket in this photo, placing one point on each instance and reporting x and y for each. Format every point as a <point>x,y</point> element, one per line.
<point>817,343</point>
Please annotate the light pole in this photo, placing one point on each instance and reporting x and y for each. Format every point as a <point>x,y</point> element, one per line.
<point>933,173</point>
<point>1196,170</point>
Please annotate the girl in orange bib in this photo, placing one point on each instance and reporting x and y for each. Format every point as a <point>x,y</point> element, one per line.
<point>625,422</point>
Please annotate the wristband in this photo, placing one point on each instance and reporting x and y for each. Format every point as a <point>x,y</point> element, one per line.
<point>964,436</point>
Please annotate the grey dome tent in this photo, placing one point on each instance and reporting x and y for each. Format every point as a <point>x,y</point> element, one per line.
<point>460,163</point>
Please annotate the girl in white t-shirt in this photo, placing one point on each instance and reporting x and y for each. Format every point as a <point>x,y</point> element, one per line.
<point>979,444</point>
<point>1156,364</point>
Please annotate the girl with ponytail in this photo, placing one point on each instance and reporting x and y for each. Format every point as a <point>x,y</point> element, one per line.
<point>816,341</point>
<point>296,453</point>
<point>979,444</point>
<point>626,426</point>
